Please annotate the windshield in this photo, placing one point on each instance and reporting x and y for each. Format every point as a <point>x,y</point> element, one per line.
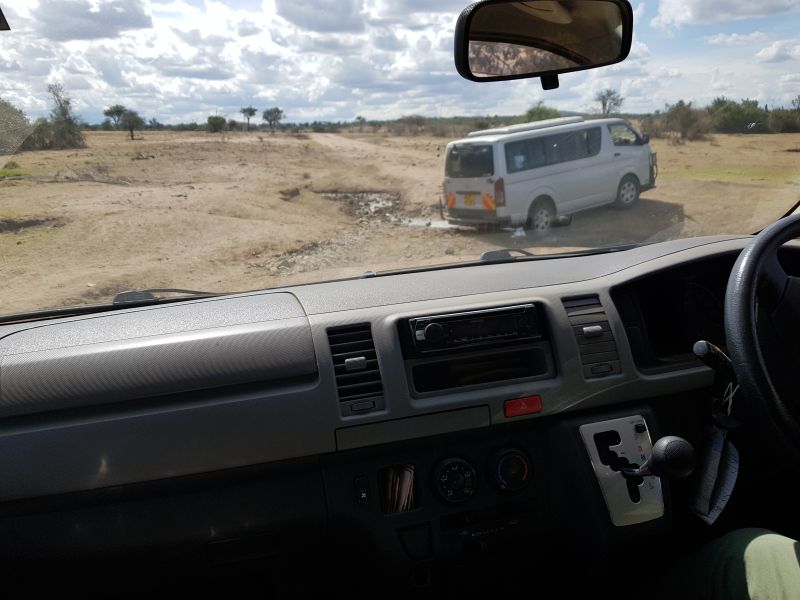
<point>232,146</point>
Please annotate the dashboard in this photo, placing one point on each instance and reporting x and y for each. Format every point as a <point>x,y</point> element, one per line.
<point>417,416</point>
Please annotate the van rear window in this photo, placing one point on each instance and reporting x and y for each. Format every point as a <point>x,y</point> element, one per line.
<point>470,160</point>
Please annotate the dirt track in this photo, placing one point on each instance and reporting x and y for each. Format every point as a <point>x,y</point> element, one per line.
<point>191,210</point>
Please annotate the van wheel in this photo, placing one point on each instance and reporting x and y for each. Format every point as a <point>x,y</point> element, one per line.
<point>628,192</point>
<point>541,217</point>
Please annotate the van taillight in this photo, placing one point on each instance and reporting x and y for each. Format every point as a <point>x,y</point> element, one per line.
<point>500,192</point>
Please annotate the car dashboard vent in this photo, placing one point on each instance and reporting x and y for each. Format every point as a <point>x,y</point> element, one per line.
<point>596,343</point>
<point>355,362</point>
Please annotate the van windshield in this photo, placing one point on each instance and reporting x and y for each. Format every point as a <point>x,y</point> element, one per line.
<point>470,160</point>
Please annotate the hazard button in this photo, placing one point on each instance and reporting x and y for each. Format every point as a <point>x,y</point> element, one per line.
<point>529,405</point>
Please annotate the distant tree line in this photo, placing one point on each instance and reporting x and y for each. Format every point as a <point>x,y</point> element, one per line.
<point>684,121</point>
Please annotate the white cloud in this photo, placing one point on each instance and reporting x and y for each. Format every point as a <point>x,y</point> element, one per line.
<point>780,51</point>
<point>736,39</point>
<point>674,13</point>
<point>324,15</point>
<point>83,20</point>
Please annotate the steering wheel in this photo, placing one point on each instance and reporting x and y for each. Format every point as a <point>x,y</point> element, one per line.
<point>762,326</point>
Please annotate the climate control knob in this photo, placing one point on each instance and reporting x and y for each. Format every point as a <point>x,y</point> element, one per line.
<point>455,480</point>
<point>511,469</point>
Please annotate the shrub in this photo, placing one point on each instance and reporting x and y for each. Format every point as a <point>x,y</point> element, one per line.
<point>215,124</point>
<point>688,122</point>
<point>540,112</point>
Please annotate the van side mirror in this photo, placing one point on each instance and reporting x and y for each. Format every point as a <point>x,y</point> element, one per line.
<point>645,139</point>
<point>497,40</point>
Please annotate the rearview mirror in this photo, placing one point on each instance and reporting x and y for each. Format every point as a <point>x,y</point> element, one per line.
<point>513,39</point>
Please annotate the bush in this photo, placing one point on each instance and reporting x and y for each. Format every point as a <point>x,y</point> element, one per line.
<point>540,112</point>
<point>215,124</point>
<point>62,130</point>
<point>688,122</point>
<point>655,126</point>
<point>784,121</point>
<point>738,117</point>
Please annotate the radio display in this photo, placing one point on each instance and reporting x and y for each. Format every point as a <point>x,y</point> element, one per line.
<point>476,328</point>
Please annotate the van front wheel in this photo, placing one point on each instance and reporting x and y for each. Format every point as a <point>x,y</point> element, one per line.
<point>628,192</point>
<point>541,217</point>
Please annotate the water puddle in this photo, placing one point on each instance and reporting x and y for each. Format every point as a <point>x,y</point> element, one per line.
<point>385,206</point>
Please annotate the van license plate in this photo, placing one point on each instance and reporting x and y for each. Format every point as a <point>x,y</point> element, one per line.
<point>469,199</point>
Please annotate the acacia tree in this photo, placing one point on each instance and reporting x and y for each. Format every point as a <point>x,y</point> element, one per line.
<point>115,113</point>
<point>248,112</point>
<point>610,101</point>
<point>273,116</point>
<point>131,121</point>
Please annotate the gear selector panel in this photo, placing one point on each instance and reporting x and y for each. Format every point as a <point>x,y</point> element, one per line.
<point>617,445</point>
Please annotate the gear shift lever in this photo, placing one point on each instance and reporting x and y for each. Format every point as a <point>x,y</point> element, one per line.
<point>673,457</point>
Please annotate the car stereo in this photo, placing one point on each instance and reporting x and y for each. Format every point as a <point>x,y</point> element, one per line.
<point>465,330</point>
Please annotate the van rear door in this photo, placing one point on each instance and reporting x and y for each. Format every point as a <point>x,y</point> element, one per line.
<point>469,180</point>
<point>631,153</point>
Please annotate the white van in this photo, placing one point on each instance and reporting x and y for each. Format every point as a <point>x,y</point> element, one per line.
<point>527,175</point>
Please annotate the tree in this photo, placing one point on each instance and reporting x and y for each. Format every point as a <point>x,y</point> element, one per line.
<point>540,112</point>
<point>215,124</point>
<point>272,116</point>
<point>63,129</point>
<point>131,121</point>
<point>610,101</point>
<point>796,103</point>
<point>249,112</point>
<point>115,113</point>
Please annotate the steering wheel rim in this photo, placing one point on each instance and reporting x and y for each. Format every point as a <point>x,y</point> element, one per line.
<point>756,272</point>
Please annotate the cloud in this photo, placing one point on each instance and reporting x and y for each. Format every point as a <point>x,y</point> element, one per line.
<point>245,28</point>
<point>63,20</point>
<point>736,39</point>
<point>780,51</point>
<point>323,15</point>
<point>675,13</point>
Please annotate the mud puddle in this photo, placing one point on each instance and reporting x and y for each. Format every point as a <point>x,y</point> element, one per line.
<point>16,225</point>
<point>385,206</point>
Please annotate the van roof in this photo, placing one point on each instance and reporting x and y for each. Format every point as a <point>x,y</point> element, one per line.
<point>533,125</point>
<point>548,126</point>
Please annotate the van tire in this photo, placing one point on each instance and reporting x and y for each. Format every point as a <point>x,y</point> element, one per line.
<point>627,192</point>
<point>541,216</point>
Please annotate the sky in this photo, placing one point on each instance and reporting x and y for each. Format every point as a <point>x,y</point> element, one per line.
<point>183,60</point>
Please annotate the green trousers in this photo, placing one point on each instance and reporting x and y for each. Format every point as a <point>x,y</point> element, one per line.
<point>747,564</point>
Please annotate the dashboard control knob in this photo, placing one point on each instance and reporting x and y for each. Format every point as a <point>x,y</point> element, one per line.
<point>455,480</point>
<point>511,469</point>
<point>434,333</point>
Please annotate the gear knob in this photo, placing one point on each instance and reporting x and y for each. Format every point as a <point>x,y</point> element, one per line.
<point>673,457</point>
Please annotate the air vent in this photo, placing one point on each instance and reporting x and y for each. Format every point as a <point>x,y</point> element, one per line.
<point>358,376</point>
<point>596,343</point>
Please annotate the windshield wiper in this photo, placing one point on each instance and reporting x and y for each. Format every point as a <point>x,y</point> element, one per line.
<point>148,296</point>
<point>506,254</point>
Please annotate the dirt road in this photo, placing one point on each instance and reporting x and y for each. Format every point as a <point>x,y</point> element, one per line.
<point>250,211</point>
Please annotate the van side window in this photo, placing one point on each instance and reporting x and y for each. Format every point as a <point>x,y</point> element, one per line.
<point>525,155</point>
<point>552,149</point>
<point>622,135</point>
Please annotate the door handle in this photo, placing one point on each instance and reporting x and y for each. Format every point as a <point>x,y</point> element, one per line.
<point>617,154</point>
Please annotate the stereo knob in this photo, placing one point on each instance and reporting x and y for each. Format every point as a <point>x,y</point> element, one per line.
<point>434,333</point>
<point>455,480</point>
<point>511,470</point>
